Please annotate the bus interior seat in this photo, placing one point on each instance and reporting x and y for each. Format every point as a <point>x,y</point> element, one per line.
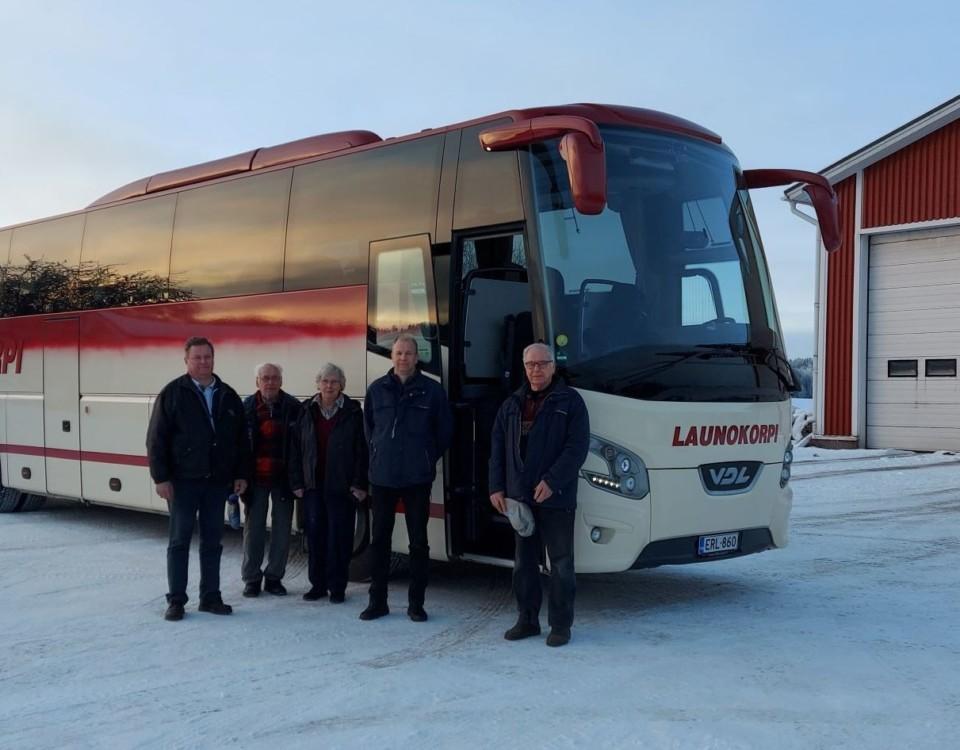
<point>614,320</point>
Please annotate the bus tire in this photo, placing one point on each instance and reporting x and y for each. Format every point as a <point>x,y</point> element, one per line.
<point>33,502</point>
<point>399,564</point>
<point>361,564</point>
<point>10,500</point>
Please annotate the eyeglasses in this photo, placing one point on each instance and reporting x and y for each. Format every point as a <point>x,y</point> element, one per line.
<point>540,365</point>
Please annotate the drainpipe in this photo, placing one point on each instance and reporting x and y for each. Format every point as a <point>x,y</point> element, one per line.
<point>816,309</point>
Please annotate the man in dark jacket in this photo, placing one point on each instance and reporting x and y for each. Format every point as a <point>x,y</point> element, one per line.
<point>539,442</point>
<point>329,471</point>
<point>408,427</point>
<point>271,415</point>
<point>198,451</point>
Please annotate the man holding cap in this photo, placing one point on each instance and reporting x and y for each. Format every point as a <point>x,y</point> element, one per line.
<point>539,442</point>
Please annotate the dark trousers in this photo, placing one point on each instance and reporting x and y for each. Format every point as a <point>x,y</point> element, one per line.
<point>555,531</point>
<point>255,534</point>
<point>193,498</point>
<point>416,502</point>
<point>329,523</point>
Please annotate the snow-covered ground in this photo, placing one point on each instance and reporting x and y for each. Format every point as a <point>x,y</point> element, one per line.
<point>847,638</point>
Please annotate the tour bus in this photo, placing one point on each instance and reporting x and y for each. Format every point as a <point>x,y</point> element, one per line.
<point>622,237</point>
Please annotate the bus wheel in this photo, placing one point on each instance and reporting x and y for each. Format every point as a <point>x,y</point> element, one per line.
<point>33,502</point>
<point>361,564</point>
<point>399,564</point>
<point>10,500</point>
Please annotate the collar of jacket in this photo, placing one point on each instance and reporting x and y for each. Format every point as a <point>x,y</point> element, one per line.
<point>414,379</point>
<point>187,382</point>
<point>556,386</point>
<point>283,398</point>
<point>348,405</point>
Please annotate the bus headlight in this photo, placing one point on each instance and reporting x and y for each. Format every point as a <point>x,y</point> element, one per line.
<point>787,464</point>
<point>626,474</point>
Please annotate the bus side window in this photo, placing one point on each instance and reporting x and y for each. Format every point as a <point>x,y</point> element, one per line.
<point>339,206</point>
<point>488,184</point>
<point>228,237</point>
<point>127,248</point>
<point>43,265</point>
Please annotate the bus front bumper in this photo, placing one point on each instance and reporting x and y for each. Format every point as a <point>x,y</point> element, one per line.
<point>684,550</point>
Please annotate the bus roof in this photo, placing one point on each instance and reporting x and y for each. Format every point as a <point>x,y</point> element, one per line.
<point>314,147</point>
<point>319,145</point>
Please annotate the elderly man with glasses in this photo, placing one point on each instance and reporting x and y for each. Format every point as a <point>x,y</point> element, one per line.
<point>271,417</point>
<point>539,442</point>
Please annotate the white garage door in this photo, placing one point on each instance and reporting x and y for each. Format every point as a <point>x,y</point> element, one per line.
<point>913,341</point>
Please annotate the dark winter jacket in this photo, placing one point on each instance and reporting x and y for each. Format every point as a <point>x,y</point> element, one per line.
<point>408,428</point>
<point>289,412</point>
<point>557,446</point>
<point>182,444</point>
<point>346,460</point>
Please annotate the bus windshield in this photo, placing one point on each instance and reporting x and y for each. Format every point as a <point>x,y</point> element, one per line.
<point>665,294</point>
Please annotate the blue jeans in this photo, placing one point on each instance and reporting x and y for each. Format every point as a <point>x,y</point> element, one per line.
<point>329,525</point>
<point>193,498</point>
<point>555,532</point>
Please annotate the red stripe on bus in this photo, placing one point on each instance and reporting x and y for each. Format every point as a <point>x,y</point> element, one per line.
<point>72,455</point>
<point>436,509</point>
<point>331,314</point>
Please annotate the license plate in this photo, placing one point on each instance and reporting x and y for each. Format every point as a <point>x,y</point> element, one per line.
<point>718,544</point>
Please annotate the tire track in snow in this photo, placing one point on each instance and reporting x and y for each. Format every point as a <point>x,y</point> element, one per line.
<point>458,633</point>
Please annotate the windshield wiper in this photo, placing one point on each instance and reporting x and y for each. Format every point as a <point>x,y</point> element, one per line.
<point>770,358</point>
<point>702,350</point>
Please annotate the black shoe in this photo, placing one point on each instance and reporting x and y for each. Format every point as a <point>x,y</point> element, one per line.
<point>252,589</point>
<point>215,607</point>
<point>336,597</point>
<point>313,594</point>
<point>274,587</point>
<point>174,612</point>
<point>375,610</point>
<point>558,637</point>
<point>522,630</point>
<point>417,613</point>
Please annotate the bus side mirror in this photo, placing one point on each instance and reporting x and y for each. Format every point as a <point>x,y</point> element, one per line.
<point>587,169</point>
<point>580,146</point>
<point>821,193</point>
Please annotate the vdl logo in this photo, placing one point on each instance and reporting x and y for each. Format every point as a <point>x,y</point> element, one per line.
<point>729,477</point>
<point>11,353</point>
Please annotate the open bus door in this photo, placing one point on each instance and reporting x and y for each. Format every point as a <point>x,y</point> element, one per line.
<point>400,299</point>
<point>493,325</point>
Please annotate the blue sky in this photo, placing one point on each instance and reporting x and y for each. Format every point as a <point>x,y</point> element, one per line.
<point>96,94</point>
